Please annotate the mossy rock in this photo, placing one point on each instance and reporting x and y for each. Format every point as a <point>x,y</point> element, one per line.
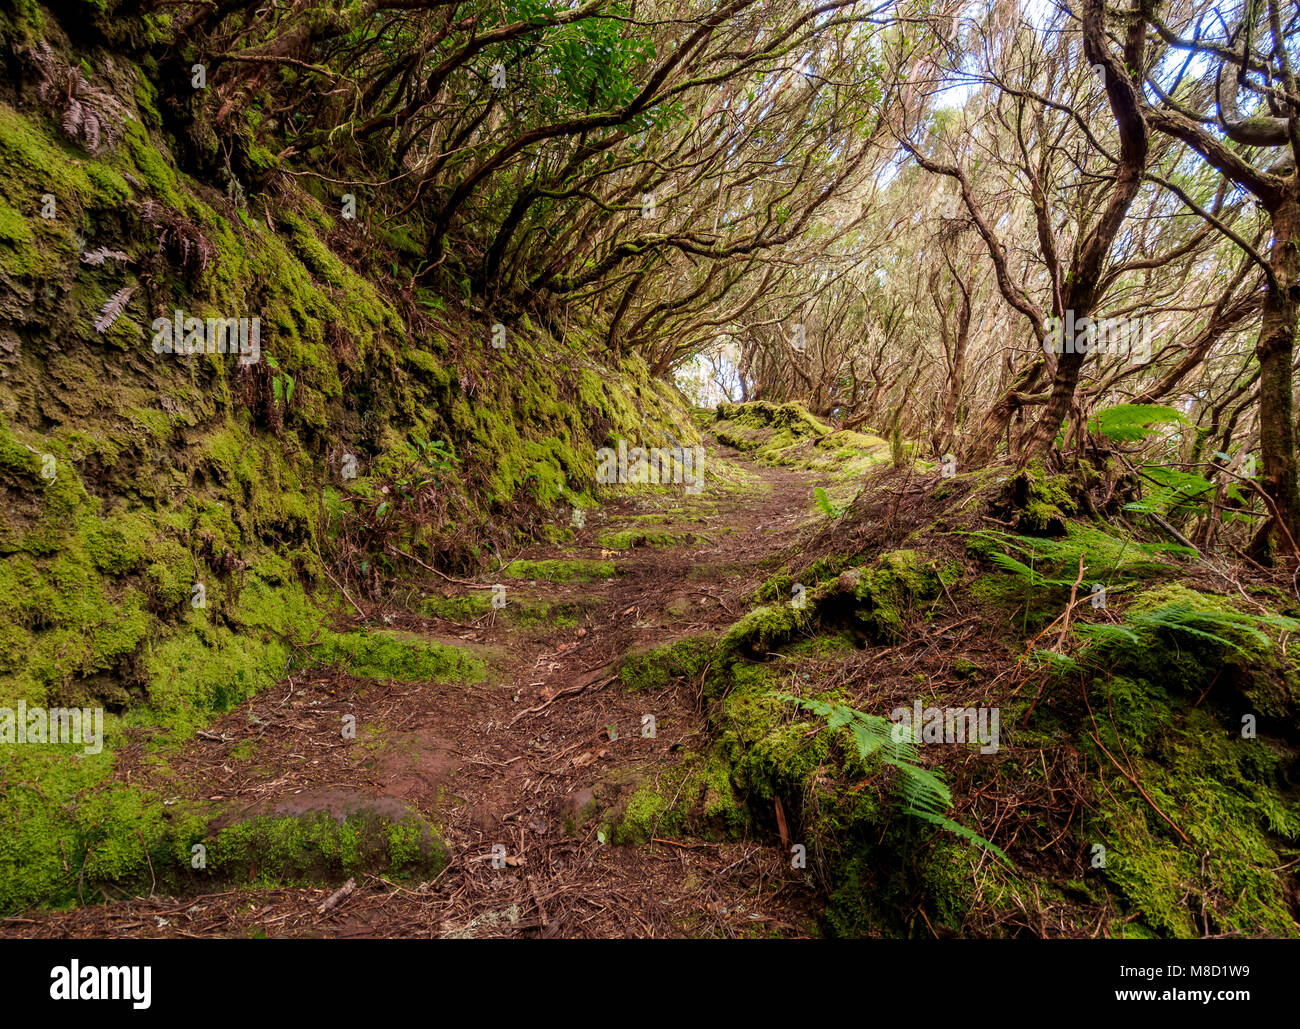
<point>1227,794</point>
<point>522,611</point>
<point>571,570</point>
<point>882,597</point>
<point>322,837</point>
<point>695,798</point>
<point>385,654</point>
<point>763,629</point>
<point>762,414</point>
<point>630,539</point>
<point>1174,682</point>
<point>1191,641</point>
<point>655,668</point>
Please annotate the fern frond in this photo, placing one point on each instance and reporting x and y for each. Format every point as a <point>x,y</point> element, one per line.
<point>960,830</point>
<point>1057,664</point>
<point>823,501</point>
<point>1105,634</point>
<point>1128,423</point>
<point>111,310</point>
<point>922,792</point>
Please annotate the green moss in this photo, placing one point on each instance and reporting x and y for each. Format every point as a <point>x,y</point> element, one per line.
<point>762,753</point>
<point>876,882</point>
<point>763,629</point>
<point>15,231</point>
<point>558,535</point>
<point>38,164</point>
<point>1213,640</point>
<point>1165,695</point>
<point>150,165</point>
<point>314,254</point>
<point>820,647</point>
<point>463,608</point>
<point>389,655</point>
<point>166,589</point>
<point>1222,791</point>
<point>110,187</point>
<point>696,798</point>
<point>648,813</point>
<point>67,831</point>
<point>901,583</point>
<point>629,539</point>
<point>574,570</point>
<point>71,622</point>
<point>243,750</point>
<point>205,667</point>
<point>1041,503</point>
<point>656,667</point>
<point>319,847</point>
<point>771,755</point>
<point>786,434</point>
<point>760,414</point>
<point>519,611</point>
<point>42,836</point>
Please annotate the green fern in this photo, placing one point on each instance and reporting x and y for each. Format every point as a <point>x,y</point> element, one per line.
<point>281,384</point>
<point>1228,629</point>
<point>922,792</point>
<point>1104,634</point>
<point>1031,576</point>
<point>1056,664</point>
<point>827,508</point>
<point>1040,565</point>
<point>1171,492</point>
<point>1128,423</point>
<point>1231,630</point>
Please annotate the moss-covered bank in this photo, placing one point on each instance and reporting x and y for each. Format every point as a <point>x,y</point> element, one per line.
<point>168,520</point>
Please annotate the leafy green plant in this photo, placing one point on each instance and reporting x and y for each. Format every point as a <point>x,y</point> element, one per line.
<point>435,457</point>
<point>1129,423</point>
<point>412,483</point>
<point>1054,563</point>
<point>824,504</point>
<point>1168,492</point>
<point>430,300</point>
<point>922,793</point>
<point>281,384</point>
<point>1232,630</point>
<point>1171,492</point>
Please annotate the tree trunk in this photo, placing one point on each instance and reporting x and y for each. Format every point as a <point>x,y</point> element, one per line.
<point>1038,441</point>
<point>984,442</point>
<point>1093,251</point>
<point>1275,350</point>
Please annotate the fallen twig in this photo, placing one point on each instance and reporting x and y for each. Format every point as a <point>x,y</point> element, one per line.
<point>337,897</point>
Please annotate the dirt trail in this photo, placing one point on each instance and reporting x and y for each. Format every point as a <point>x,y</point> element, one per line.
<point>513,763</point>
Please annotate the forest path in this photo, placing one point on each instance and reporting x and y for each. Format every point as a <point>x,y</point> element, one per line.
<point>518,769</point>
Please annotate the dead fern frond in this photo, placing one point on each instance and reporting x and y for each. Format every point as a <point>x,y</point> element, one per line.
<point>180,240</point>
<point>109,313</point>
<point>93,117</point>
<point>102,254</point>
